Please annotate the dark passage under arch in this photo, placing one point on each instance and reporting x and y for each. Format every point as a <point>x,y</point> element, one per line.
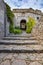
<point>23,24</point>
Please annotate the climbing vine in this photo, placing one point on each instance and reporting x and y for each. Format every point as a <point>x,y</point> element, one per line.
<point>10,16</point>
<point>9,13</point>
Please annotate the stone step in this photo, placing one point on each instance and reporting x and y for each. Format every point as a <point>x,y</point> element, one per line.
<point>19,35</point>
<point>18,42</point>
<point>18,38</point>
<point>21,48</point>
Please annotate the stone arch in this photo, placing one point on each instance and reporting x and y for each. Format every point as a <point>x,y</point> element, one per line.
<point>23,24</point>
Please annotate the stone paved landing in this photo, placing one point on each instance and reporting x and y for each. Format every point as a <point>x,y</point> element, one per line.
<point>21,59</point>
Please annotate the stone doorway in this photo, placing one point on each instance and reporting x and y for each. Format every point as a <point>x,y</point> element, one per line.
<point>23,24</point>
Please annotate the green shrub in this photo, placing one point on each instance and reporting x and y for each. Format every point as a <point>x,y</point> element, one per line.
<point>17,31</point>
<point>17,27</point>
<point>14,30</point>
<point>30,24</point>
<point>28,30</point>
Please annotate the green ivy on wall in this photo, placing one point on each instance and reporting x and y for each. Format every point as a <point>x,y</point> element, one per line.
<point>9,13</point>
<point>10,16</point>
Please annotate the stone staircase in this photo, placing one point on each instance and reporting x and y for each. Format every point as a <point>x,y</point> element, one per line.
<point>20,50</point>
<point>20,44</point>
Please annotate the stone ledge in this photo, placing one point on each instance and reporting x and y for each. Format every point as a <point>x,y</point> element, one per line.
<point>18,42</point>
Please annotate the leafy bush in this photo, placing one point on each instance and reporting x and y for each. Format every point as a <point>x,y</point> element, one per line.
<point>30,24</point>
<point>17,27</point>
<point>17,31</point>
<point>29,30</point>
<point>14,30</point>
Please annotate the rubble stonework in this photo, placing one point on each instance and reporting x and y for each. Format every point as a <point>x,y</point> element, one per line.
<point>38,30</point>
<point>3,19</point>
<point>30,10</point>
<point>27,59</point>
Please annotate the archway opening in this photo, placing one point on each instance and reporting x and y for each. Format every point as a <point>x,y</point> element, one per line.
<point>23,24</point>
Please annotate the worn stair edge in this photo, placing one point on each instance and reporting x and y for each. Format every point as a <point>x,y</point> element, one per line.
<point>19,43</point>
<point>9,38</point>
<point>21,51</point>
<point>20,35</point>
<point>4,42</point>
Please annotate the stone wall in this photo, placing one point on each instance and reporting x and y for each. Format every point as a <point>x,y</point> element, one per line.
<point>4,24</point>
<point>1,18</point>
<point>38,31</point>
<point>24,16</point>
<point>30,10</point>
<point>7,26</point>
